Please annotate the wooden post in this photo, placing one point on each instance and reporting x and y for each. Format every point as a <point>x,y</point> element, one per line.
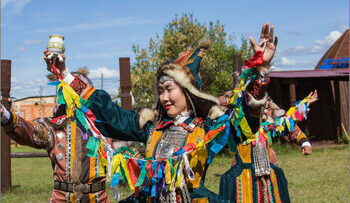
<point>292,93</point>
<point>5,140</point>
<point>337,108</point>
<point>237,67</point>
<point>125,83</point>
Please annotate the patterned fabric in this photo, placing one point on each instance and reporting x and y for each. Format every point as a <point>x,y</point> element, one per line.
<point>239,184</point>
<point>62,140</point>
<point>78,85</point>
<point>257,89</point>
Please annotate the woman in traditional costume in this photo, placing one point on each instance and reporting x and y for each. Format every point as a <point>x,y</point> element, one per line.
<point>187,128</point>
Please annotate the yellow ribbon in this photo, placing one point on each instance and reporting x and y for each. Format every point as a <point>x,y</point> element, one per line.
<point>167,172</point>
<point>71,98</point>
<point>126,171</point>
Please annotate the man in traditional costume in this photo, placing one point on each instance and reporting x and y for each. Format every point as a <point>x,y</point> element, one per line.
<point>77,177</point>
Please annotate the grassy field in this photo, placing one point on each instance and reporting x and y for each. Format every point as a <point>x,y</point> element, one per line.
<point>321,177</point>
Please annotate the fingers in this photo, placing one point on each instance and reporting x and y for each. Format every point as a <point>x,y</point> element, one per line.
<point>264,31</point>
<point>271,33</point>
<point>307,150</point>
<point>253,43</point>
<point>276,41</point>
<point>63,56</point>
<point>315,94</point>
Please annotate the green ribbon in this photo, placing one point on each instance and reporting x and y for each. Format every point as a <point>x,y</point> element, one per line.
<point>142,176</point>
<point>126,149</point>
<point>81,117</point>
<point>60,98</point>
<point>92,145</point>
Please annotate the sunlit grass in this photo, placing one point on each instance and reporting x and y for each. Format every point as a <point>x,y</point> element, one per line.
<point>321,177</point>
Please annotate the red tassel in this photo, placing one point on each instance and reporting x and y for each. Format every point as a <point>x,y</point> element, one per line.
<point>256,60</point>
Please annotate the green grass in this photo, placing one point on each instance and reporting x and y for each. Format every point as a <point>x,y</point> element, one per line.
<point>321,177</point>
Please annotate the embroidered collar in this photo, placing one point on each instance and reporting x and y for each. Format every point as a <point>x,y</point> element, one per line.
<point>189,124</point>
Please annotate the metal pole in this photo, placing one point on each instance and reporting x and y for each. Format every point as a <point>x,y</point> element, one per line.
<point>5,140</point>
<point>102,81</point>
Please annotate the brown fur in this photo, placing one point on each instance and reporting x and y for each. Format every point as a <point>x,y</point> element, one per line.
<point>204,43</point>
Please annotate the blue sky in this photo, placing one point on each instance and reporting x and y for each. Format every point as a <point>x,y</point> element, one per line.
<point>97,33</point>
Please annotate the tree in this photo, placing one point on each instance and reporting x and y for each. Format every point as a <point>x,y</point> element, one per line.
<point>181,34</point>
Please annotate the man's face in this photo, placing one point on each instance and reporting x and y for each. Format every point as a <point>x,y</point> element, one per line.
<point>172,98</point>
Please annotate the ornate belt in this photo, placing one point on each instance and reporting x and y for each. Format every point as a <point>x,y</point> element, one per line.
<point>80,187</point>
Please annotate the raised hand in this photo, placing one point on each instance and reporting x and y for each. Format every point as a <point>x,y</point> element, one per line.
<point>60,65</point>
<point>267,44</point>
<point>313,97</point>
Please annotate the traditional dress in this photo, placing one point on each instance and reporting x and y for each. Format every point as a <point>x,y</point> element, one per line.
<point>76,176</point>
<point>252,179</point>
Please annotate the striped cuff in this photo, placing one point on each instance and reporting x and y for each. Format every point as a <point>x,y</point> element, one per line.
<point>6,116</point>
<point>11,123</point>
<point>306,144</point>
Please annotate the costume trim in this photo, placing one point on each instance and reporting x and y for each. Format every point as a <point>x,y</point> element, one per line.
<point>276,193</point>
<point>256,104</point>
<point>146,115</point>
<point>88,92</point>
<point>68,157</point>
<point>215,112</point>
<point>12,122</point>
<point>181,77</point>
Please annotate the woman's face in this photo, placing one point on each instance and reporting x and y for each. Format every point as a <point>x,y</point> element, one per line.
<point>173,98</point>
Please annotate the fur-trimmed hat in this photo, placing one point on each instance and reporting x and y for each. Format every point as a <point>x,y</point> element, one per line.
<point>185,72</point>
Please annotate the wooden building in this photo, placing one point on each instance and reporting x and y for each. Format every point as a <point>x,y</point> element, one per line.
<point>329,117</point>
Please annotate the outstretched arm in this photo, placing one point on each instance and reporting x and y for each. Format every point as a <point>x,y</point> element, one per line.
<point>35,134</point>
<point>111,120</point>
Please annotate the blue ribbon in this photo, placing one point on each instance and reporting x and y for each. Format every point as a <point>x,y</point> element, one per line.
<point>179,152</point>
<point>154,180</point>
<point>115,179</point>
<point>54,83</point>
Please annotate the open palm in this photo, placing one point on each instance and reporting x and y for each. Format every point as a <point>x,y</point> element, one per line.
<point>267,44</point>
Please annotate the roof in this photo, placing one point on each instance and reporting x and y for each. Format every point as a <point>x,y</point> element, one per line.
<point>31,97</point>
<point>337,56</point>
<point>330,73</point>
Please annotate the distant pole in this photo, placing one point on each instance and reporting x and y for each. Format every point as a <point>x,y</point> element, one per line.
<point>5,140</point>
<point>237,67</point>
<point>292,93</point>
<point>125,82</point>
<point>102,81</point>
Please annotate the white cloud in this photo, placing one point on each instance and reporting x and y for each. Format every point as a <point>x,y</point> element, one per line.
<point>102,54</point>
<point>16,88</point>
<point>116,22</point>
<point>29,42</point>
<point>94,55</point>
<point>323,44</point>
<point>14,79</point>
<point>107,73</point>
<point>14,6</point>
<point>286,62</point>
<point>22,46</point>
<point>319,46</point>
